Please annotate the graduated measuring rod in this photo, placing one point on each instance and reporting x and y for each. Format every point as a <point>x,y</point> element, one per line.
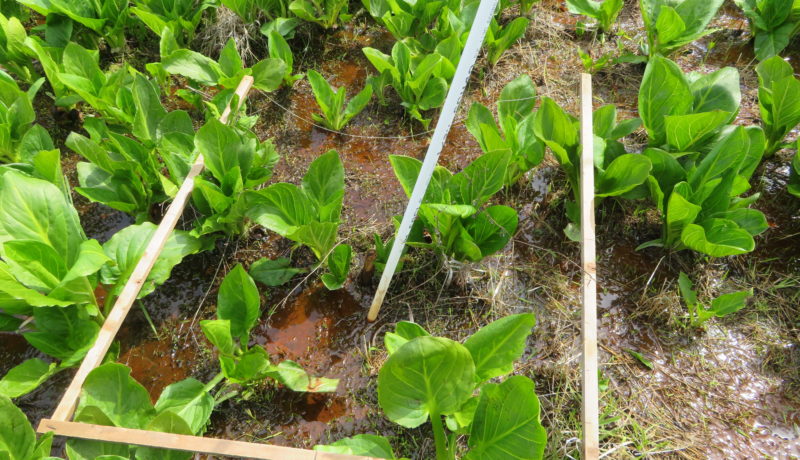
<point>474,41</point>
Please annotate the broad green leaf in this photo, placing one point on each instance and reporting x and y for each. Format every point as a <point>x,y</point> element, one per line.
<point>218,332</point>
<point>718,90</point>
<point>727,304</point>
<point>624,174</point>
<point>685,285</point>
<point>427,375</point>
<point>251,366</point>
<point>268,74</point>
<point>686,132</point>
<point>122,399</point>
<point>273,272</point>
<point>480,179</point>
<point>680,213</point>
<point>404,331</point>
<point>339,266</point>
<point>238,301</point>
<point>193,65</point>
<point>17,438</point>
<point>189,400</point>
<point>492,229</point>
<point>282,208</point>
<point>25,377</point>
<point>368,445</point>
<point>319,237</point>
<point>165,422</point>
<point>496,346</point>
<point>323,184</point>
<point>126,247</point>
<point>664,91</point>
<point>669,25</point>
<point>63,333</point>
<point>506,423</point>
<point>296,378</point>
<point>717,238</point>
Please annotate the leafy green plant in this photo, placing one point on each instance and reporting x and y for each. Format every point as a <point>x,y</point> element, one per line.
<point>671,24</point>
<point>15,55</point>
<point>428,378</point>
<point>309,215</point>
<point>181,17</point>
<point>279,49</point>
<point>106,18</point>
<point>773,24</point>
<point>238,310</point>
<point>515,113</point>
<point>720,307</point>
<point>778,101</point>
<point>331,101</point>
<point>227,72</point>
<point>405,19</point>
<point>684,112</point>
<point>236,161</point>
<point>453,211</point>
<point>16,115</point>
<point>500,38</point>
<point>604,12</point>
<point>617,173</point>
<point>327,13</point>
<point>697,195</point>
<point>418,78</point>
<point>17,438</point>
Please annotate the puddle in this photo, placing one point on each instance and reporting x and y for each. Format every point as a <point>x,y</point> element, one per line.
<point>158,363</point>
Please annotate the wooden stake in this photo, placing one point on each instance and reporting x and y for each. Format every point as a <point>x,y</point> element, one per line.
<point>590,409</point>
<point>188,443</point>
<point>139,275</point>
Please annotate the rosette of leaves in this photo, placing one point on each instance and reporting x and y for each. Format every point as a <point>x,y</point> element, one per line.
<point>15,55</point>
<point>408,19</point>
<point>236,161</point>
<point>437,379</point>
<point>181,17</point>
<point>684,112</point>
<point>617,173</point>
<point>111,397</point>
<point>417,77</point>
<point>279,49</point>
<point>513,132</point>
<point>698,194</point>
<point>327,13</point>
<point>37,157</point>
<point>778,101</point>
<point>773,24</point>
<point>604,12</point>
<point>671,24</point>
<point>16,115</point>
<point>238,310</point>
<point>309,214</point>
<point>721,306</point>
<point>66,19</point>
<point>454,211</point>
<point>331,101</point>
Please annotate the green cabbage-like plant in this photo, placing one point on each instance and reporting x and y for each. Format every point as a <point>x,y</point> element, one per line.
<point>238,310</point>
<point>720,307</point>
<point>604,12</point>
<point>15,55</point>
<point>407,19</point>
<point>181,17</point>
<point>37,157</point>
<point>64,19</point>
<point>331,101</point>
<point>309,214</point>
<point>227,72</point>
<point>684,112</point>
<point>111,397</point>
<point>671,24</point>
<point>327,13</point>
<point>773,24</point>
<point>437,379</point>
<point>501,38</point>
<point>515,115</point>
<point>698,195</point>
<point>417,77</point>
<point>617,173</point>
<point>16,115</point>
<point>778,101</point>
<point>236,162</point>
<point>453,211</point>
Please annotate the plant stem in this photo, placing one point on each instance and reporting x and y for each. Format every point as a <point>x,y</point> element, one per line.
<point>147,317</point>
<point>442,452</point>
<point>213,382</point>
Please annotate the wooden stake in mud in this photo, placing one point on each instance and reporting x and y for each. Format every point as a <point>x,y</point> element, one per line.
<point>131,290</point>
<point>477,33</point>
<point>590,409</point>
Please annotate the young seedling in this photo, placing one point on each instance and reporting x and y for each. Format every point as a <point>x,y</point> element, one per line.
<point>720,307</point>
<point>331,101</point>
<point>604,12</point>
<point>673,24</point>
